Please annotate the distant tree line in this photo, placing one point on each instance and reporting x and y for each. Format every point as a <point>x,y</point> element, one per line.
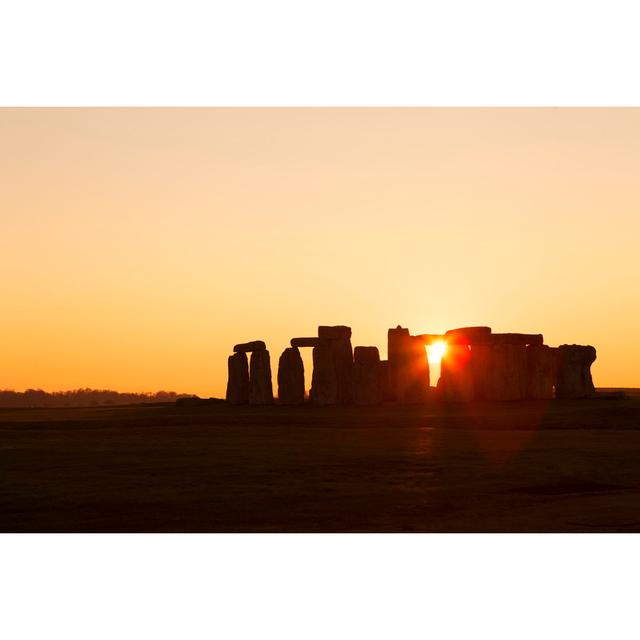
<point>81,398</point>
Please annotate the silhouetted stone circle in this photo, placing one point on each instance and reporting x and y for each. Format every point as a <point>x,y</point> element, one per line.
<point>477,365</point>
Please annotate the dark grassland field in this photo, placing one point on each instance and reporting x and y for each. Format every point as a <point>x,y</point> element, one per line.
<point>511,467</point>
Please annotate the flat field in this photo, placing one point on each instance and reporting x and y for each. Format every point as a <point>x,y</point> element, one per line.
<point>483,467</point>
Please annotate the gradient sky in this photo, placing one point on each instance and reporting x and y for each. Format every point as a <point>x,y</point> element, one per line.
<point>139,245</point>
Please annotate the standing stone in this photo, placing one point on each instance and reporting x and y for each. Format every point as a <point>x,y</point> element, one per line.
<point>384,382</point>
<point>334,357</point>
<point>324,386</point>
<point>396,347</point>
<point>456,374</point>
<point>367,375</point>
<point>542,371</point>
<point>290,377</point>
<point>342,357</point>
<point>480,363</point>
<point>507,373</point>
<point>418,389</point>
<point>260,389</point>
<point>574,371</point>
<point>238,382</point>
<point>408,366</point>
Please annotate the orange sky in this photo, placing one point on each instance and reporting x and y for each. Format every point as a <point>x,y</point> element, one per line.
<point>138,245</point>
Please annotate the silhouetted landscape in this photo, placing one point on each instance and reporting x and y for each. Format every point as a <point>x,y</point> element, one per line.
<point>530,466</point>
<point>37,398</point>
<point>451,386</point>
<point>514,437</point>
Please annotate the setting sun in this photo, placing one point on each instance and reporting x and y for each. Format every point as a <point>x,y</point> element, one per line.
<point>436,351</point>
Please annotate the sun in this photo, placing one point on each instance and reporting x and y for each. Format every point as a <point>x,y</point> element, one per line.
<point>436,351</point>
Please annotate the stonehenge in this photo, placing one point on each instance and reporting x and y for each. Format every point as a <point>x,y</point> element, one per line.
<point>260,389</point>
<point>456,374</point>
<point>367,388</point>
<point>480,364</point>
<point>238,384</point>
<point>542,371</point>
<point>506,373</point>
<point>408,366</point>
<point>574,371</point>
<point>386,394</point>
<point>291,377</point>
<point>515,366</point>
<point>324,383</point>
<point>476,364</point>
<point>342,360</point>
<point>250,383</point>
<point>332,381</point>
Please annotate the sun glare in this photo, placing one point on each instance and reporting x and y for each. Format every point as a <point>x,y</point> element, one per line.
<point>436,351</point>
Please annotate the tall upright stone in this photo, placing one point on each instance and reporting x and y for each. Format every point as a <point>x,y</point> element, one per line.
<point>507,372</point>
<point>290,377</point>
<point>238,381</point>
<point>456,374</point>
<point>342,356</point>
<point>260,387</point>
<point>542,371</point>
<point>386,393</point>
<point>574,371</point>
<point>332,380</point>
<point>408,366</point>
<point>480,363</point>
<point>324,385</point>
<point>396,347</point>
<point>367,375</point>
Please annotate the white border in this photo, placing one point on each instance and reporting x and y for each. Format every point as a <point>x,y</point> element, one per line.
<point>319,586</point>
<point>334,52</point>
